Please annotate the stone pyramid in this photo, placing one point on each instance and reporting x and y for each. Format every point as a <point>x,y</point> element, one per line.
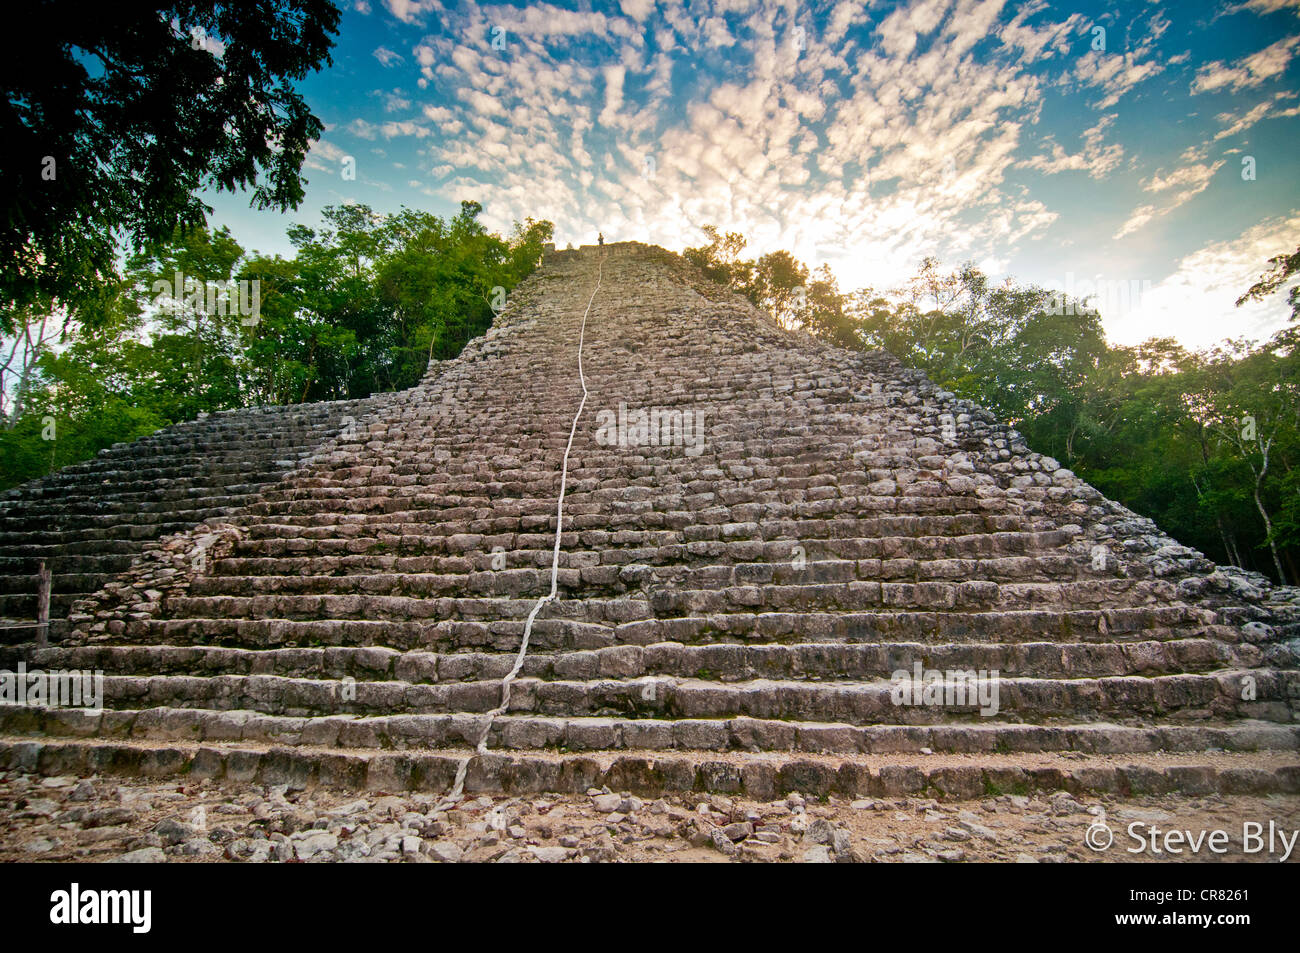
<point>760,532</point>
<point>91,521</point>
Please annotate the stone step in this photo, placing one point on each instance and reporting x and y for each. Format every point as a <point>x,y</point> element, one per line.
<point>520,732</point>
<point>215,463</point>
<point>23,605</point>
<point>666,602</point>
<point>90,520</point>
<point>133,524</point>
<point>1167,697</point>
<point>665,545</point>
<point>61,582</point>
<point>213,457</point>
<point>268,633</point>
<point>443,519</point>
<point>456,555</point>
<point>763,777</point>
<point>17,567</point>
<point>864,594</point>
<point>162,463</point>
<point>220,461</point>
<point>51,550</point>
<point>111,511</point>
<point>395,608</point>
<point>295,499</point>
<point>1160,623</point>
<point>534,578</point>
<point>723,662</point>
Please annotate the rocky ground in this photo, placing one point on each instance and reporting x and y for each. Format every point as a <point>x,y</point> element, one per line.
<point>103,819</point>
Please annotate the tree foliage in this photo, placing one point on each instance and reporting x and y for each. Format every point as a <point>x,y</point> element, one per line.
<point>197,325</point>
<point>114,120</point>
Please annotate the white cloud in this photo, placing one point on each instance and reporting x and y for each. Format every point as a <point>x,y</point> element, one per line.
<point>1183,184</point>
<point>714,31</point>
<point>1197,303</point>
<point>614,76</point>
<point>1269,109</point>
<point>1117,72</point>
<point>406,127</point>
<point>1096,158</point>
<point>913,142</point>
<point>361,129</point>
<point>638,10</point>
<point>1268,6</point>
<point>866,149</point>
<point>324,156</point>
<point>1139,217</point>
<point>1188,181</point>
<point>1249,71</point>
<point>409,11</point>
<point>845,14</point>
<point>389,130</point>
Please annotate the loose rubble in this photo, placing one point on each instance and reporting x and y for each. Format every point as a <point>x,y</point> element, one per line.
<point>136,821</point>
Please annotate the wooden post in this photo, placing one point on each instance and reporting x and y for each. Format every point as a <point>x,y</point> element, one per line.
<point>43,606</point>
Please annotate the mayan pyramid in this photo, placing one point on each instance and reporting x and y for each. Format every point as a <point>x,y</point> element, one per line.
<point>336,595</point>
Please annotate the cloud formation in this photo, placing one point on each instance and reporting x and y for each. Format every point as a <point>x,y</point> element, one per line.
<point>864,135</point>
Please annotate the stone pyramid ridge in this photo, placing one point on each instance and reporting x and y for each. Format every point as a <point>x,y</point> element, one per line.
<point>731,606</point>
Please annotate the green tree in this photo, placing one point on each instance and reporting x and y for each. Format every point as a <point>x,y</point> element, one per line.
<point>114,120</point>
<point>1282,268</point>
<point>196,326</point>
<point>720,259</point>
<point>184,286</point>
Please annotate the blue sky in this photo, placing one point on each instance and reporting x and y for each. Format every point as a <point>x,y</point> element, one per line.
<point>1057,143</point>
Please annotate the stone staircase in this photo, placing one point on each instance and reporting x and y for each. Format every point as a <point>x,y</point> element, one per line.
<point>728,620</point>
<point>90,521</point>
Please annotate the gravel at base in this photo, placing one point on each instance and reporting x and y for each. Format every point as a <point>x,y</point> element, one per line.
<point>111,819</point>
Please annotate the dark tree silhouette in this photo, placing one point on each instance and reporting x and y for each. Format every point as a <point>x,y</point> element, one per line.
<point>113,117</point>
<point>1282,268</point>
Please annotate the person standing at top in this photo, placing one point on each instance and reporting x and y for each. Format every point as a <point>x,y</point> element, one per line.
<point>600,239</point>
